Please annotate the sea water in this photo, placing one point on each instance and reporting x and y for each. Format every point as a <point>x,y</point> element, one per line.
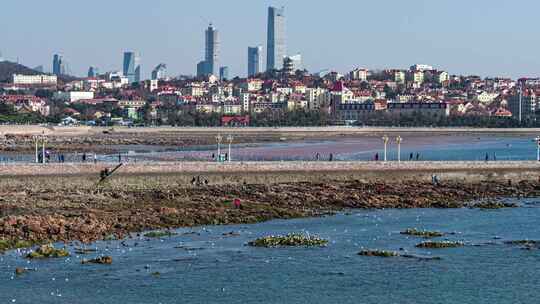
<point>202,265</point>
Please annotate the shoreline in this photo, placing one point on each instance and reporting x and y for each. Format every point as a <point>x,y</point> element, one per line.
<point>45,209</point>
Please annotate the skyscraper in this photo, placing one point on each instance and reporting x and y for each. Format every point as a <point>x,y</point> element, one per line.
<point>93,72</point>
<point>254,60</point>
<point>212,50</point>
<point>59,66</point>
<point>132,67</point>
<point>276,45</point>
<point>224,73</point>
<point>159,72</point>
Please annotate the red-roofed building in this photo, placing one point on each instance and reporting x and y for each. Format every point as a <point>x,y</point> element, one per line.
<point>235,121</point>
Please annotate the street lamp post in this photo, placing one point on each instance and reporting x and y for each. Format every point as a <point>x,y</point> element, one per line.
<point>36,142</point>
<point>398,141</point>
<point>385,140</point>
<point>43,150</point>
<point>537,139</point>
<point>230,139</point>
<point>219,138</point>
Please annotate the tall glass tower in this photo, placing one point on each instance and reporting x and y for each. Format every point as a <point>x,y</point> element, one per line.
<point>132,67</point>
<point>276,48</point>
<point>59,66</point>
<point>212,51</point>
<point>254,60</point>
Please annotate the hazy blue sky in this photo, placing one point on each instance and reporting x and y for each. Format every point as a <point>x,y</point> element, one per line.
<point>485,37</point>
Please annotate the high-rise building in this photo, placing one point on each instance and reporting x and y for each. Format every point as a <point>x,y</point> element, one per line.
<point>132,67</point>
<point>201,69</point>
<point>254,60</point>
<point>93,71</point>
<point>212,50</point>
<point>276,44</point>
<point>159,72</point>
<point>59,65</point>
<point>224,73</point>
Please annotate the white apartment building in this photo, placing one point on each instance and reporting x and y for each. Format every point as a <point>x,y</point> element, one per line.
<point>73,96</point>
<point>359,74</point>
<point>316,97</point>
<point>34,79</point>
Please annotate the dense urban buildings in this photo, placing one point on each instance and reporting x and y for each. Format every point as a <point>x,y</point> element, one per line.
<point>276,41</point>
<point>132,66</point>
<point>285,94</point>
<point>255,61</point>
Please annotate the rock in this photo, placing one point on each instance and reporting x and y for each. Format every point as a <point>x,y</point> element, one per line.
<point>290,240</point>
<point>379,253</point>
<point>422,233</point>
<point>47,251</point>
<point>104,260</point>
<point>438,245</point>
<point>20,271</point>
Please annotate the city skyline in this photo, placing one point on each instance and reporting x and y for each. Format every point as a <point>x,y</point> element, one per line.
<point>419,32</point>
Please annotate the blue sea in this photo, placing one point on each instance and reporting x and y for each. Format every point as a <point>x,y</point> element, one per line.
<point>202,265</point>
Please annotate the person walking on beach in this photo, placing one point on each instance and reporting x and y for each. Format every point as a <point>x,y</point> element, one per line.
<point>417,156</point>
<point>487,157</point>
<point>84,157</point>
<point>411,156</point>
<point>376,157</point>
<point>331,157</point>
<point>317,156</point>
<point>119,157</point>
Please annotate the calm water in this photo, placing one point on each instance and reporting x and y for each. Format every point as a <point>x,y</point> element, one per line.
<point>434,148</point>
<point>211,268</point>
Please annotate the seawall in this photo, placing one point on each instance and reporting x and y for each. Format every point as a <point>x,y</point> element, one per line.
<point>281,172</point>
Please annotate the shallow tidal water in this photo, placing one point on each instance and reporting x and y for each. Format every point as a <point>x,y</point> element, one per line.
<point>201,265</point>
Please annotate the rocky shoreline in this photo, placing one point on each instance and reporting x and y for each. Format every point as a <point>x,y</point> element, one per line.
<point>49,212</point>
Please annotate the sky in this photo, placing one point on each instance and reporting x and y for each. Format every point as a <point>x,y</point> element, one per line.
<point>481,37</point>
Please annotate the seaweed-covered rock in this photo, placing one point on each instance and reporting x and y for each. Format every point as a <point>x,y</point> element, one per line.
<point>422,233</point>
<point>379,253</point>
<point>530,243</point>
<point>289,240</point>
<point>159,234</point>
<point>8,244</point>
<point>104,260</point>
<point>47,251</point>
<point>438,245</point>
<point>493,205</point>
